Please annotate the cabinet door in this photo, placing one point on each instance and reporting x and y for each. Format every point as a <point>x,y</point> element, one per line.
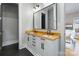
<point>39,46</point>
<point>28,41</point>
<point>51,47</point>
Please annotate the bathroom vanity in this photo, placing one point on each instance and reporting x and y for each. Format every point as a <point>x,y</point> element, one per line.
<point>40,40</point>
<point>43,44</point>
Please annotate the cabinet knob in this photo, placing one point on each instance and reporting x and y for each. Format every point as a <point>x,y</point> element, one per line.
<point>33,41</point>
<point>28,38</point>
<point>42,39</point>
<point>33,45</point>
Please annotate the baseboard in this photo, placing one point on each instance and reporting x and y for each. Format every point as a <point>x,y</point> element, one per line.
<point>9,43</point>
<point>21,47</point>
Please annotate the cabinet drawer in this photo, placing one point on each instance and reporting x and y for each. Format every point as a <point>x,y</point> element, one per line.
<point>33,45</point>
<point>33,42</point>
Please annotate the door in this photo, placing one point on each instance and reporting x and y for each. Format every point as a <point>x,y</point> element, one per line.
<point>10,23</point>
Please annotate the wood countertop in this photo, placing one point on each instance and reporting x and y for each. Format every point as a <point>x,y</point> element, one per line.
<point>42,34</point>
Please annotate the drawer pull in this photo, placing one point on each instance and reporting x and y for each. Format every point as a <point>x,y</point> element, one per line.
<point>33,45</point>
<point>28,38</point>
<point>43,39</point>
<point>42,46</point>
<point>33,41</point>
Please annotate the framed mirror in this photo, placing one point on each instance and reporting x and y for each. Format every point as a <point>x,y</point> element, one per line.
<point>46,18</point>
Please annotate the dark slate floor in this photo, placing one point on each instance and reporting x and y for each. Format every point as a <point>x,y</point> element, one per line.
<point>12,50</point>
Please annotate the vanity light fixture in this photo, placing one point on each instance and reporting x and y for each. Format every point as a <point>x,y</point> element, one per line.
<point>35,8</point>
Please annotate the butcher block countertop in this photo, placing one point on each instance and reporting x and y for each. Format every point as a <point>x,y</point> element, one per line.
<point>42,34</point>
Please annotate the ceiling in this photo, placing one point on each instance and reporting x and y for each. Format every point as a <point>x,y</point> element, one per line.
<point>71,8</point>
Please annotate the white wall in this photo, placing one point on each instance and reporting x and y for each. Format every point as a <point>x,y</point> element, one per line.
<point>71,8</point>
<point>70,17</point>
<point>25,21</point>
<point>71,11</point>
<point>61,27</point>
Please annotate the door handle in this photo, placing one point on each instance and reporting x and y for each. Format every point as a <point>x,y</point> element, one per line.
<point>28,38</point>
<point>42,46</point>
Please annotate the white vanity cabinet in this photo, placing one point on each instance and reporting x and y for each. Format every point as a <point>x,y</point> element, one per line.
<point>51,47</point>
<point>46,47</point>
<point>39,46</point>
<point>43,46</point>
